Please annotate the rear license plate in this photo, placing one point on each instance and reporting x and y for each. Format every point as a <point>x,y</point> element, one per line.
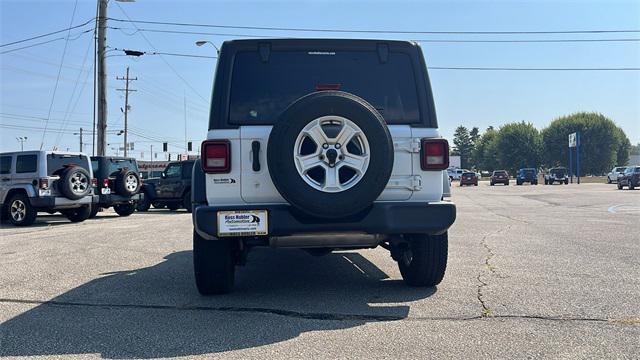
<point>242,223</point>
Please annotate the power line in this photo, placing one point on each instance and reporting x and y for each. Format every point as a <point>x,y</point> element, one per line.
<point>418,40</point>
<point>55,88</point>
<point>183,55</point>
<point>48,34</point>
<point>75,87</point>
<point>76,37</point>
<point>527,41</point>
<point>269,28</point>
<point>122,30</point>
<point>163,59</point>
<point>530,69</point>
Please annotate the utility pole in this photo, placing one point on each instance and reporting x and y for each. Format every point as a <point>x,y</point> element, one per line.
<point>126,104</point>
<point>80,133</point>
<point>102,79</point>
<point>185,122</point>
<point>151,153</point>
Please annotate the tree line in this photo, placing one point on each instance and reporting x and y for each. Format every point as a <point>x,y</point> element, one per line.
<point>517,145</point>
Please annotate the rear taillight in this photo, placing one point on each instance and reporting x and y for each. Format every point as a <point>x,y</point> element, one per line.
<point>434,154</point>
<point>105,183</point>
<point>43,183</point>
<point>94,182</point>
<point>216,156</point>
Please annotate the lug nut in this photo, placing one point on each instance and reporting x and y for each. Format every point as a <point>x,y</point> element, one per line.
<point>325,146</point>
<point>341,157</point>
<point>338,145</point>
<point>321,157</point>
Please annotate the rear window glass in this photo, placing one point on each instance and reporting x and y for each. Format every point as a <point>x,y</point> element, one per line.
<point>117,165</point>
<point>261,91</point>
<point>621,169</point>
<point>469,174</point>
<point>5,164</point>
<point>55,162</point>
<point>499,173</point>
<point>187,169</point>
<point>559,171</point>
<point>527,171</point>
<point>26,163</point>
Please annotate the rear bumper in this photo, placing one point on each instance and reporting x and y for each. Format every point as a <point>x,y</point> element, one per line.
<point>380,218</point>
<point>111,199</point>
<point>59,202</point>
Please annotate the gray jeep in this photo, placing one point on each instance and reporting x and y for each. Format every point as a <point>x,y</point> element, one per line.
<point>47,181</point>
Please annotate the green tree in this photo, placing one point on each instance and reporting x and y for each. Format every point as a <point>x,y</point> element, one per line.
<point>518,145</point>
<point>485,153</point>
<point>462,145</point>
<point>599,142</point>
<point>624,147</point>
<point>635,149</point>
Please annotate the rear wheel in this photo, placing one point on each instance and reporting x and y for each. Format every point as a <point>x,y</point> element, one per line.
<point>425,261</point>
<point>19,210</point>
<point>143,204</point>
<point>619,186</point>
<point>124,209</point>
<point>213,265</point>
<point>608,180</point>
<point>78,214</point>
<point>631,187</point>
<point>94,211</point>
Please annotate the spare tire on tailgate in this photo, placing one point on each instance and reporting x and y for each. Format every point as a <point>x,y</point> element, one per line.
<point>127,182</point>
<point>330,154</point>
<point>74,183</point>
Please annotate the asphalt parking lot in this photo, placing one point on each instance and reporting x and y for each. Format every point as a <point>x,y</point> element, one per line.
<point>534,271</point>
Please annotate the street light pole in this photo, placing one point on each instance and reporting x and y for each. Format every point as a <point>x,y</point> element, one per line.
<point>22,140</point>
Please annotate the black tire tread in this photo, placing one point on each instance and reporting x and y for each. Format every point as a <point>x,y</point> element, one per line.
<point>429,262</point>
<point>213,265</point>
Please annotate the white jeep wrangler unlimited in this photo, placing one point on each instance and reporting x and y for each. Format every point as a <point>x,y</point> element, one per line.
<point>321,144</point>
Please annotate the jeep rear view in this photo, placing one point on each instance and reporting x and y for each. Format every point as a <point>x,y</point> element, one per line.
<point>321,145</point>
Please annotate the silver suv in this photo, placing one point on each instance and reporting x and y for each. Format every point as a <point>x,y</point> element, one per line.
<point>321,144</point>
<point>47,181</point>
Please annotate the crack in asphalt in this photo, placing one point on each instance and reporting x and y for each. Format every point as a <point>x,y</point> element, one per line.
<point>486,311</point>
<point>321,316</point>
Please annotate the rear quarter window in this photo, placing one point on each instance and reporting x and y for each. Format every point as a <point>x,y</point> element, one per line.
<point>26,163</point>
<point>5,164</point>
<point>261,91</point>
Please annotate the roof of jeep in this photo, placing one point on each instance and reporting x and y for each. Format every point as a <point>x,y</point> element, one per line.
<point>293,42</point>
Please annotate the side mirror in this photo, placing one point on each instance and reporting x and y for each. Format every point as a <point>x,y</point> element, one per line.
<point>163,175</point>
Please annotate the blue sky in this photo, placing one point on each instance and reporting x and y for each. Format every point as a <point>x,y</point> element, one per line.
<point>470,98</point>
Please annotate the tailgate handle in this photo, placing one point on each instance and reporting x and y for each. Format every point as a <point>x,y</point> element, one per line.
<point>255,150</point>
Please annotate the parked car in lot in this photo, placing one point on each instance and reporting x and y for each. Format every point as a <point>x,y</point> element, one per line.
<point>469,178</point>
<point>118,184</point>
<point>615,173</point>
<point>455,173</point>
<point>630,178</point>
<point>529,175</point>
<point>321,144</point>
<point>556,174</point>
<point>499,177</point>
<point>46,181</point>
<point>171,190</point>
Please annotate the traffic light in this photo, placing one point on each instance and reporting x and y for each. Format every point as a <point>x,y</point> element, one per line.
<point>189,146</point>
<point>164,147</point>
